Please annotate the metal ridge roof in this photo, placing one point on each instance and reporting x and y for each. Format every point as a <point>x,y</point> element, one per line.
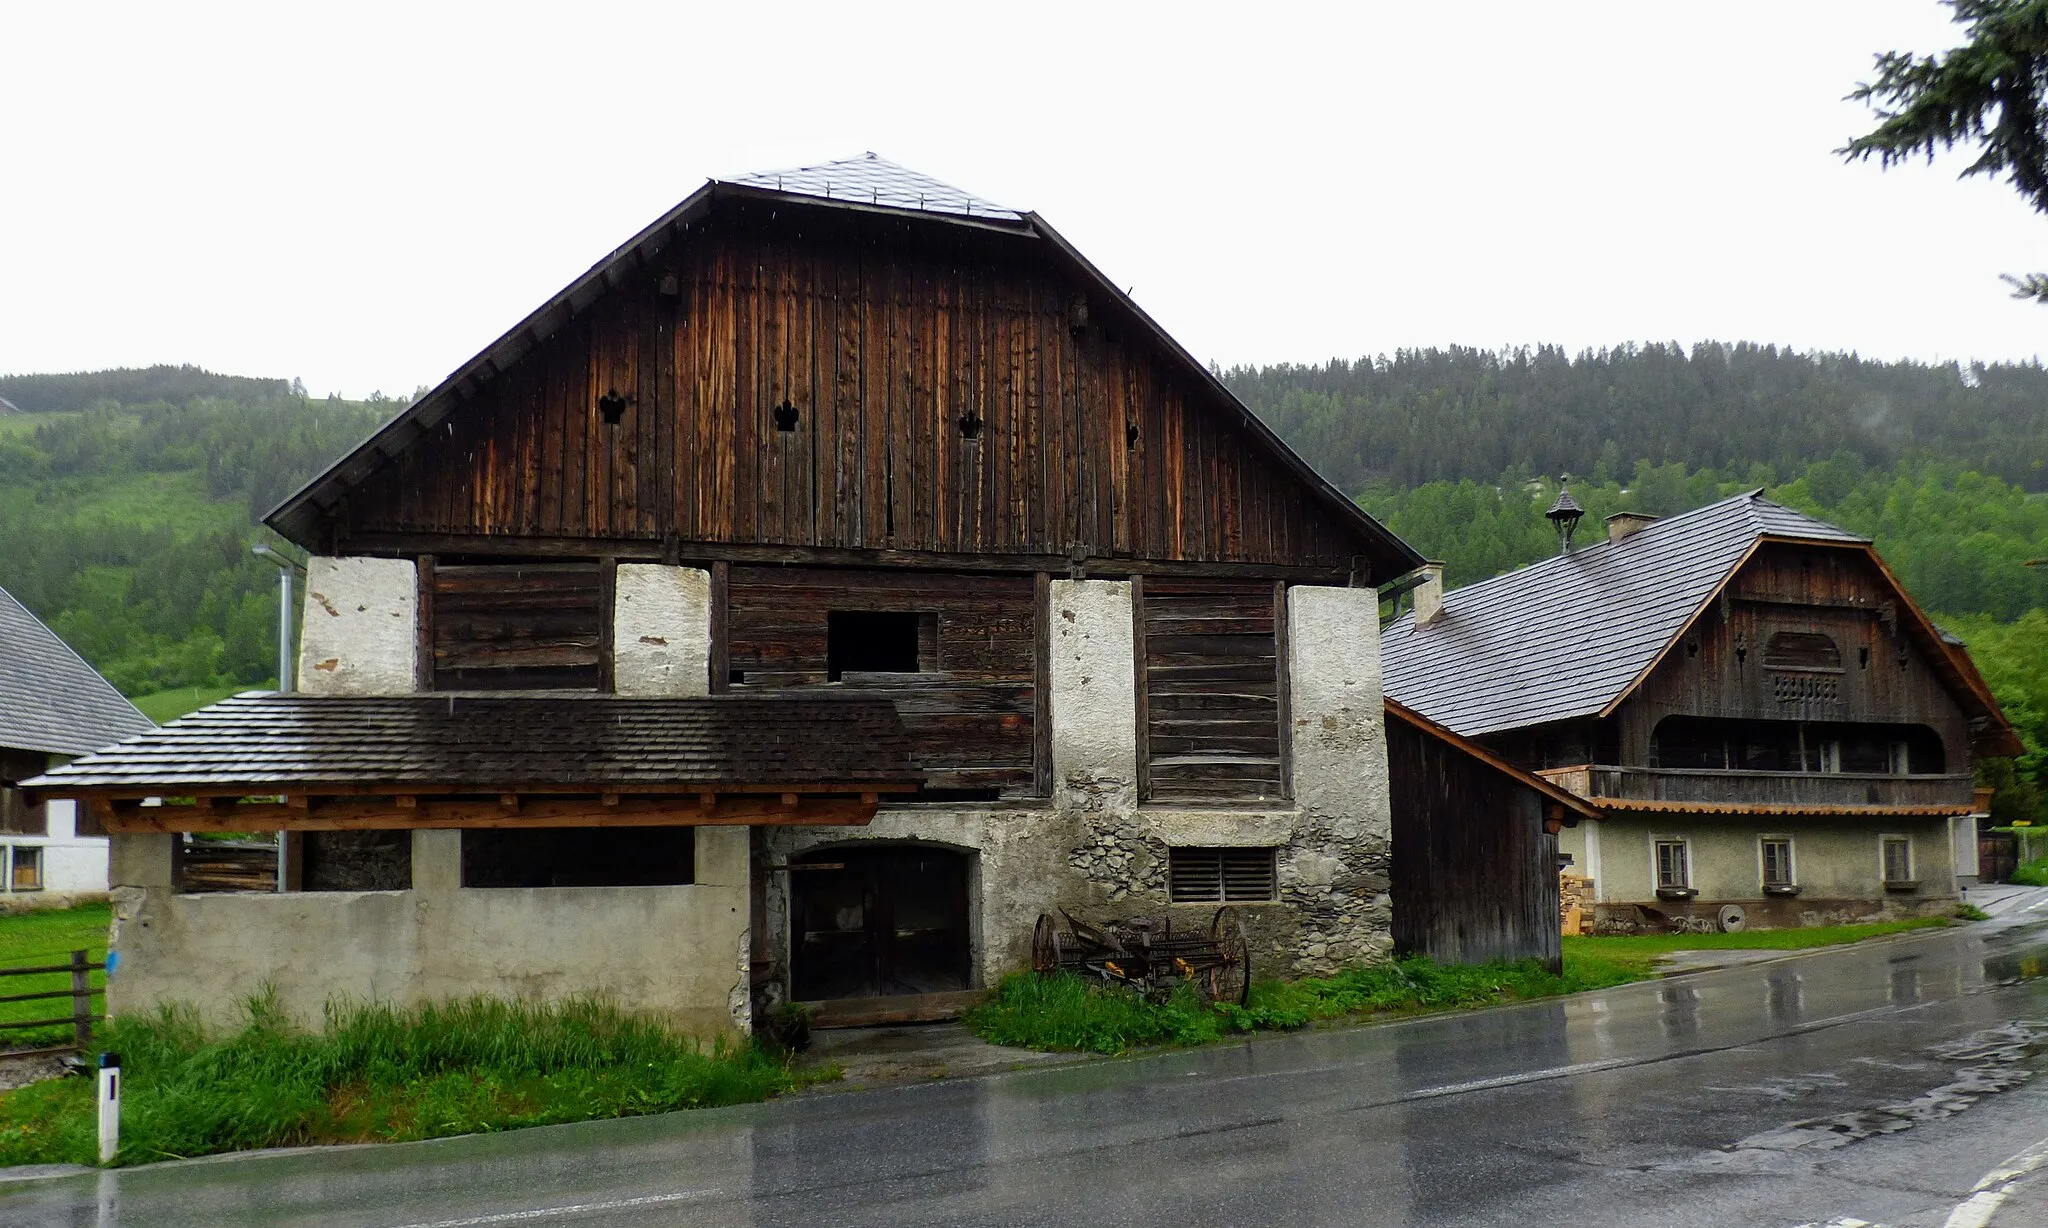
<point>1566,637</point>
<point>263,742</point>
<point>871,182</point>
<point>50,699</point>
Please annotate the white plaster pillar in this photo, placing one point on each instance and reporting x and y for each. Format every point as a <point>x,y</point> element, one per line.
<point>1094,695</point>
<point>1339,718</point>
<point>436,860</point>
<point>359,634</point>
<point>661,630</point>
<point>139,859</point>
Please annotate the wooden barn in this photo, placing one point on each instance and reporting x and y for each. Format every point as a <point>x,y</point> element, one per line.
<point>845,462</point>
<point>1772,732</point>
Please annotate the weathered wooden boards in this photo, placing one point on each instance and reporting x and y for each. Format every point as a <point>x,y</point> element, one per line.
<point>971,715</point>
<point>518,626</point>
<point>832,392</point>
<point>1212,686</point>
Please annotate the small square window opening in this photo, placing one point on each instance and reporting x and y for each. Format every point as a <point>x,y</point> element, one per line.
<point>26,872</point>
<point>1898,859</point>
<point>879,642</point>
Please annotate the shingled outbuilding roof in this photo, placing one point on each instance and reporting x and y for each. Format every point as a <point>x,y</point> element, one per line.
<point>262,742</point>
<point>50,699</point>
<point>1569,636</point>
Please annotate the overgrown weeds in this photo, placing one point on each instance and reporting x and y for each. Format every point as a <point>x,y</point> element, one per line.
<point>2031,873</point>
<point>1065,1012</point>
<point>375,1073</point>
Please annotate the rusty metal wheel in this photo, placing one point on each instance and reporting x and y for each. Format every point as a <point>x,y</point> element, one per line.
<point>1230,979</point>
<point>1045,945</point>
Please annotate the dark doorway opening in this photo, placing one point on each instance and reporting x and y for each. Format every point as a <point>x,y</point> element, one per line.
<point>889,920</point>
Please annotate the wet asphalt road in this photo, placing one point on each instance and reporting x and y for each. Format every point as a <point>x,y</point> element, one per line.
<point>1878,1083</point>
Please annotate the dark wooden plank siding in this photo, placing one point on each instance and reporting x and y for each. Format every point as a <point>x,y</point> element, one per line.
<point>1721,666</point>
<point>1088,438</point>
<point>974,715</point>
<point>1474,873</point>
<point>1211,705</point>
<point>519,626</point>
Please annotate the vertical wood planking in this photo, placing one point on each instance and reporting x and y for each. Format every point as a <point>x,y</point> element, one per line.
<point>423,625</point>
<point>721,619</point>
<point>1142,685</point>
<point>1041,674</point>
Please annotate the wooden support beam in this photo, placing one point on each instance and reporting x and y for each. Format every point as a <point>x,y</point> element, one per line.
<point>533,812</point>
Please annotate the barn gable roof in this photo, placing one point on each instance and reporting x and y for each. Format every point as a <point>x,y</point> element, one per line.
<point>868,183</point>
<point>50,699</point>
<point>1573,635</point>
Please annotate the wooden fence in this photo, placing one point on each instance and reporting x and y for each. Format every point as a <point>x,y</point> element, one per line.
<point>81,994</point>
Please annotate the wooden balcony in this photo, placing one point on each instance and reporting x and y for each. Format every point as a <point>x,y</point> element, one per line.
<point>1722,788</point>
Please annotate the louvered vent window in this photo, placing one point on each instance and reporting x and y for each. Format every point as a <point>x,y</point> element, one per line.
<point>1220,876</point>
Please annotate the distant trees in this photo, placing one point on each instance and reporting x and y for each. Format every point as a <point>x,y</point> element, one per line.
<point>1987,93</point>
<point>51,394</point>
<point>1749,412</point>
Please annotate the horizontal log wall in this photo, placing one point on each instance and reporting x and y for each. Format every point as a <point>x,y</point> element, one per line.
<point>852,391</point>
<point>1212,679</point>
<point>972,716</point>
<point>517,626</point>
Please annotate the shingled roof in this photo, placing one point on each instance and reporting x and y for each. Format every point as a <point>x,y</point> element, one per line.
<point>50,699</point>
<point>1570,635</point>
<point>263,742</point>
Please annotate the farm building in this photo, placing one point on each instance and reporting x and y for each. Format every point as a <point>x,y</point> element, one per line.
<point>838,576</point>
<point>53,707</point>
<point>1771,731</point>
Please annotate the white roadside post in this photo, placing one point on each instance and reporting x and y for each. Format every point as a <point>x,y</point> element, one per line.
<point>110,1106</point>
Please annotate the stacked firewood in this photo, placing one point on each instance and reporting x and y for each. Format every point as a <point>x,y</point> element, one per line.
<point>1574,904</point>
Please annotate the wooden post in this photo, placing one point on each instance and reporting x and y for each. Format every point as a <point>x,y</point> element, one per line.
<point>81,999</point>
<point>1143,680</point>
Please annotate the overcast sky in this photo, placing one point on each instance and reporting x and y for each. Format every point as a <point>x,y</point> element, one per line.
<point>365,199</point>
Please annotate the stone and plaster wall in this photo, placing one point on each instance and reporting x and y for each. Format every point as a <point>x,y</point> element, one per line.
<point>1835,860</point>
<point>358,631</point>
<point>1095,851</point>
<point>676,951</point>
<point>679,951</point>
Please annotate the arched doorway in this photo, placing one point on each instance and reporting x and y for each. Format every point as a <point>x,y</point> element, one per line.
<point>874,920</point>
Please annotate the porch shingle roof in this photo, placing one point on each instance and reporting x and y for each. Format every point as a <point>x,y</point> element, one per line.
<point>452,743</point>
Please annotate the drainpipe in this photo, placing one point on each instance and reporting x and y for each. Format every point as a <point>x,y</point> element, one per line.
<point>285,567</point>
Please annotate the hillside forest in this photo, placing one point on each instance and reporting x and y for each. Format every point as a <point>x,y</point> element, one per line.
<point>129,499</point>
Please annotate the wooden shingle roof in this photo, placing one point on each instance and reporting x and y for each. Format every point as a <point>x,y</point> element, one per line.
<point>262,742</point>
<point>50,699</point>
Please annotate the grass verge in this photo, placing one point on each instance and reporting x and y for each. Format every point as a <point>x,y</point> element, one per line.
<point>380,1074</point>
<point>2031,873</point>
<point>1066,1013</point>
<point>47,936</point>
<point>1642,946</point>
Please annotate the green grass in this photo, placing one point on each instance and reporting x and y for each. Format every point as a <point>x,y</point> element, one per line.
<point>378,1074</point>
<point>1066,1013</point>
<point>1796,939</point>
<point>167,706</point>
<point>2031,873</point>
<point>47,936</point>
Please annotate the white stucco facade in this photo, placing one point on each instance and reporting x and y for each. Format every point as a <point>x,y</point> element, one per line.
<point>56,868</point>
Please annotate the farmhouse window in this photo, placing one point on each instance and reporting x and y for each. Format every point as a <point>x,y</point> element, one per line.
<point>879,642</point>
<point>1897,852</point>
<point>1672,868</point>
<point>1211,671</point>
<point>522,626</point>
<point>25,868</point>
<point>1220,876</point>
<point>579,857</point>
<point>1777,855</point>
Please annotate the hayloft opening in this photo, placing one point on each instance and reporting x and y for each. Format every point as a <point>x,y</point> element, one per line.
<point>879,642</point>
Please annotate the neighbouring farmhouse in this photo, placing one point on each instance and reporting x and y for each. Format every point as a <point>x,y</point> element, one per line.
<point>1771,731</point>
<point>839,575</point>
<point>53,707</point>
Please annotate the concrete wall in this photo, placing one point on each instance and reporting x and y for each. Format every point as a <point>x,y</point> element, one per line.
<point>1095,851</point>
<point>358,635</point>
<point>661,630</point>
<point>675,951</point>
<point>1835,863</point>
